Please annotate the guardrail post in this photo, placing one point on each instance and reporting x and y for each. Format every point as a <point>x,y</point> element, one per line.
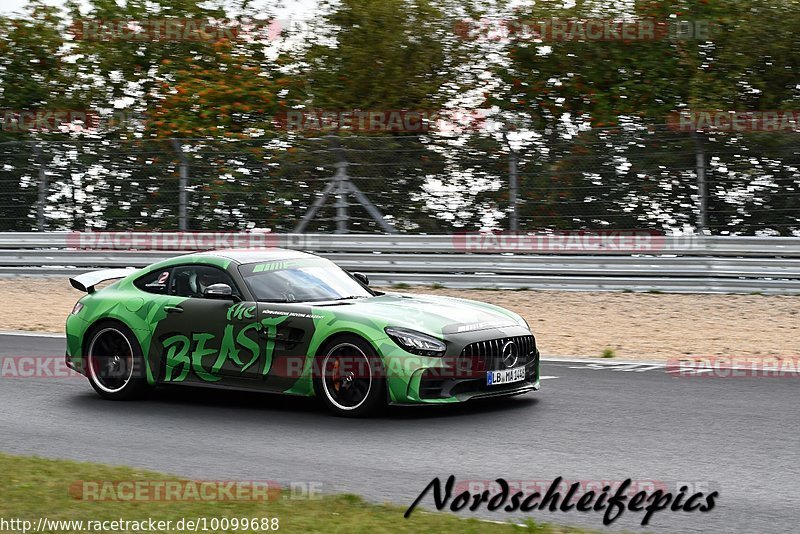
<point>183,186</point>
<point>43,187</point>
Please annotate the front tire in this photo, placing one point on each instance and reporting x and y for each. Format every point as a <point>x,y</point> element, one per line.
<point>114,363</point>
<point>349,378</point>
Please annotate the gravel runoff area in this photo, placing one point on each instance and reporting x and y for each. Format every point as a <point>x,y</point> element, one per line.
<point>643,326</point>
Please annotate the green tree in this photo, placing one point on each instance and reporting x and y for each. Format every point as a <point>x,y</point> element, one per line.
<point>625,169</point>
<point>383,56</point>
<point>218,86</point>
<point>33,77</point>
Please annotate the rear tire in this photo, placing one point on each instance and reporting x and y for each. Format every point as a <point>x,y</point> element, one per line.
<point>114,362</point>
<point>349,378</point>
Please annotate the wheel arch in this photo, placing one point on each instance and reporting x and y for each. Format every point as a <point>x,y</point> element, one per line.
<point>106,321</point>
<point>330,340</point>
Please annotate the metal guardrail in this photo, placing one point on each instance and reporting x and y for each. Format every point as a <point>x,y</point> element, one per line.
<point>670,264</point>
<point>388,243</point>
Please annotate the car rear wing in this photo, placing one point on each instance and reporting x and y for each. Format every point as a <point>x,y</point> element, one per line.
<point>87,281</point>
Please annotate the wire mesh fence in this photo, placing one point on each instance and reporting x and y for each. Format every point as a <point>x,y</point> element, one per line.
<point>624,178</point>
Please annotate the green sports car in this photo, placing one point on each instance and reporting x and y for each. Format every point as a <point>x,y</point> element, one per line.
<point>290,322</point>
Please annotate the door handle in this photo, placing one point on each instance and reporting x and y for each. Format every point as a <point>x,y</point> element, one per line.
<point>173,309</point>
<point>264,332</point>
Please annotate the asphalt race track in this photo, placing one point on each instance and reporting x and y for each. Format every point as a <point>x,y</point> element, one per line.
<point>590,422</point>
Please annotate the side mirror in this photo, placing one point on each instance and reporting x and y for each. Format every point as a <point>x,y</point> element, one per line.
<point>218,291</point>
<point>361,277</point>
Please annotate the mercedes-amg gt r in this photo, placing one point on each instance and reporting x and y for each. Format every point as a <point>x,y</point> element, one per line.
<point>294,323</point>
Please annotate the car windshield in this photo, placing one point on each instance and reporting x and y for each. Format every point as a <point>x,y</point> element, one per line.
<point>301,280</point>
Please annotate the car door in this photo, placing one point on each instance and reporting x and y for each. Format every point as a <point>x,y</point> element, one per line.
<point>286,331</point>
<point>202,339</point>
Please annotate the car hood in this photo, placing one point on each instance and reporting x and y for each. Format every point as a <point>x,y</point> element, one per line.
<point>430,314</point>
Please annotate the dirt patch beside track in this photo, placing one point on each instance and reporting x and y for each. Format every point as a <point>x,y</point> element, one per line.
<point>641,326</point>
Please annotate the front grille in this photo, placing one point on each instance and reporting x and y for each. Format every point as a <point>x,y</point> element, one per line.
<point>488,355</point>
<point>469,373</point>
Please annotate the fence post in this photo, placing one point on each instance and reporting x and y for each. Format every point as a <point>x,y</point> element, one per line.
<point>43,187</point>
<point>342,187</point>
<point>702,191</point>
<point>342,215</point>
<point>183,186</point>
<point>512,189</point>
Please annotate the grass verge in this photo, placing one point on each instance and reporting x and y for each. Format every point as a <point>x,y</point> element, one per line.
<point>36,487</point>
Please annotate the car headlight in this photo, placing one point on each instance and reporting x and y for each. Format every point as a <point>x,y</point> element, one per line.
<point>416,342</point>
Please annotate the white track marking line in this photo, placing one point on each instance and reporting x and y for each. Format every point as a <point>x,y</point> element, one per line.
<point>601,361</point>
<point>25,333</point>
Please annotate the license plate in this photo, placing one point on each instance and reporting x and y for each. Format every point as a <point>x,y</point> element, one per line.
<point>515,374</point>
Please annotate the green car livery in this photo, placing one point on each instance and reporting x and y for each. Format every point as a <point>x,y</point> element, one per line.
<point>290,322</point>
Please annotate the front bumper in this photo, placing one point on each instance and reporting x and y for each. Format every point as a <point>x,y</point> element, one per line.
<point>432,387</point>
<point>461,375</point>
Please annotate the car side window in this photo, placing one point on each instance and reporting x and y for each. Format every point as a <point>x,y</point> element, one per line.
<point>192,280</point>
<point>154,282</point>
